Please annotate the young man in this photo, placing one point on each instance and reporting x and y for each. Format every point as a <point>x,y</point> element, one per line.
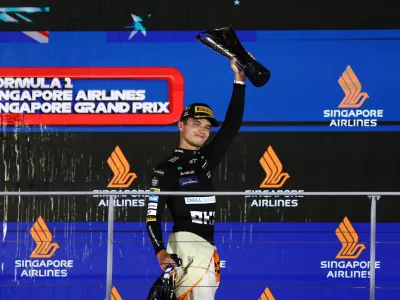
<point>190,169</point>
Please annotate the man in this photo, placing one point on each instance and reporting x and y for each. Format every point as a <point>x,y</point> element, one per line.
<point>190,169</point>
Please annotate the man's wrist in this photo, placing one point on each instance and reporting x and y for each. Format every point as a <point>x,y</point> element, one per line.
<point>242,82</point>
<point>240,76</point>
<point>160,252</point>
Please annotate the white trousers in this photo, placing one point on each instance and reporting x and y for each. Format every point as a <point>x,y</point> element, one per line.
<point>206,288</point>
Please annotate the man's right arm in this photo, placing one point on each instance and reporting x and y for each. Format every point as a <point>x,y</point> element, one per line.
<point>160,181</point>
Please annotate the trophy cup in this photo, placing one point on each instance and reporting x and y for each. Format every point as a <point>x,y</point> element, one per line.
<point>225,41</point>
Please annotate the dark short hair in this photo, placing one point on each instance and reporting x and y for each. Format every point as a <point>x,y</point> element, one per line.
<point>185,120</point>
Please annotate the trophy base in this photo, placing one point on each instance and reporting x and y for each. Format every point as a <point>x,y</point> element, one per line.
<point>257,73</point>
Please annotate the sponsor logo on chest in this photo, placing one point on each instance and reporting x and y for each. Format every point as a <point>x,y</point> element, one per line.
<point>186,173</point>
<point>199,200</point>
<point>188,180</point>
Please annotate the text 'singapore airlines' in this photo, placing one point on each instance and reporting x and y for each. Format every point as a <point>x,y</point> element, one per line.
<point>347,263</point>
<point>350,112</point>
<point>41,264</point>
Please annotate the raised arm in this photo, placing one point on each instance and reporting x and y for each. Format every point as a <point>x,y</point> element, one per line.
<point>232,122</point>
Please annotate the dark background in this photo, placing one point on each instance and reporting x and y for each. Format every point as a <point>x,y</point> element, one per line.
<point>208,14</point>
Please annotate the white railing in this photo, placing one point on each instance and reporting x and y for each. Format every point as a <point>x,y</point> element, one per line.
<point>374,196</point>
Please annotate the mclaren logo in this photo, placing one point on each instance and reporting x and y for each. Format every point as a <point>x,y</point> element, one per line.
<point>267,295</point>
<point>120,167</point>
<point>347,235</point>
<point>43,239</point>
<point>351,86</point>
<point>273,169</point>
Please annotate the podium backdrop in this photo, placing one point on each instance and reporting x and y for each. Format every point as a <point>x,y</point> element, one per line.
<point>329,116</point>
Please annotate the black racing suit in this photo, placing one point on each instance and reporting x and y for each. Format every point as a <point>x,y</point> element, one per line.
<point>190,170</point>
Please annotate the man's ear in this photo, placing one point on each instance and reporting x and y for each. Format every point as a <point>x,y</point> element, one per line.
<point>180,125</point>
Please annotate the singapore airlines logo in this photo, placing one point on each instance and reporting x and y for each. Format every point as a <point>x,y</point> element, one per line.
<point>115,294</point>
<point>267,295</point>
<point>347,235</point>
<point>351,86</point>
<point>43,239</point>
<point>273,169</point>
<point>120,167</point>
<point>41,264</point>
<point>348,264</point>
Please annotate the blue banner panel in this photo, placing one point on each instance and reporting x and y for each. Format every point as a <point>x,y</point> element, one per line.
<point>288,260</point>
<point>320,80</point>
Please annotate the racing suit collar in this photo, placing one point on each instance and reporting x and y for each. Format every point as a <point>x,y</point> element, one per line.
<point>183,151</point>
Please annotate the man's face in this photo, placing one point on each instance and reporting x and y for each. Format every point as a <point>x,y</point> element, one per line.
<point>195,132</point>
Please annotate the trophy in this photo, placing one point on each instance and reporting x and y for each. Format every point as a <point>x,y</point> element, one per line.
<point>225,41</point>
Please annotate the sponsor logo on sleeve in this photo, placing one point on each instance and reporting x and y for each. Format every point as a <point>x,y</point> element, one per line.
<point>151,212</point>
<point>153,198</point>
<point>154,182</point>
<point>159,172</point>
<point>152,206</point>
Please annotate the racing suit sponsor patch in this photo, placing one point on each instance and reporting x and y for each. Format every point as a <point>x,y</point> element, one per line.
<point>153,198</point>
<point>151,212</point>
<point>199,200</point>
<point>152,206</point>
<point>154,182</point>
<point>159,172</point>
<point>188,180</point>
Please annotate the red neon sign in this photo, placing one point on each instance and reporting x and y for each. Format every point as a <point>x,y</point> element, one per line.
<point>175,95</point>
